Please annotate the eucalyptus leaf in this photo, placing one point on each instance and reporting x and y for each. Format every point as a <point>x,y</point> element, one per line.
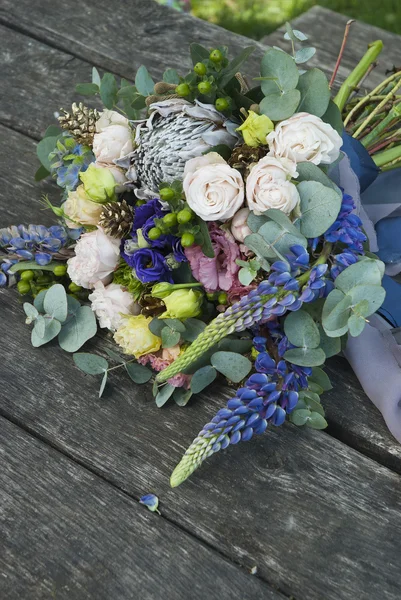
<point>202,378</point>
<point>156,325</point>
<point>300,416</point>
<point>164,394</point>
<point>336,312</point>
<point>103,384</point>
<point>78,330</point>
<point>30,311</point>
<point>301,330</point>
<point>305,357</point>
<point>181,396</point>
<point>319,207</point>
<point>171,76</point>
<point>316,421</point>
<point>232,365</point>
<point>51,330</point>
<point>41,173</point>
<point>87,89</point>
<point>91,364</point>
<point>193,327</point>
<point>108,90</point>
<point>43,149</point>
<point>307,171</point>
<point>321,378</point>
<point>114,356</point>
<point>280,105</point>
<point>333,117</point>
<point>295,34</point>
<point>175,325</point>
<point>279,72</point>
<point>280,239</point>
<point>331,346</point>
<point>246,275</point>
<point>254,222</point>
<point>261,248</point>
<point>373,294</point>
<point>356,325</point>
<point>235,345</point>
<point>138,373</point>
<point>315,91</point>
<point>40,326</point>
<point>368,271</point>
<point>143,82</point>
<point>39,300</point>
<point>304,54</point>
<point>55,302</point>
<point>169,337</point>
<point>96,80</point>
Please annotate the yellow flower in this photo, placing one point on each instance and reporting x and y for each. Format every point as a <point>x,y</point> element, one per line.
<point>135,337</point>
<point>99,183</point>
<point>255,129</point>
<point>182,304</point>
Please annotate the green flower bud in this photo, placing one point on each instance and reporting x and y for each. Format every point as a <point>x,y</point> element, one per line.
<point>200,69</point>
<point>182,304</point>
<point>142,243</point>
<point>255,129</point>
<point>204,87</point>
<point>161,290</point>
<point>27,275</point>
<point>222,104</point>
<point>74,288</point>
<point>211,296</point>
<point>216,56</point>
<point>187,239</point>
<point>183,89</point>
<point>60,270</point>
<point>23,287</point>
<point>154,233</point>
<point>222,298</point>
<point>170,219</point>
<point>99,183</point>
<point>166,194</point>
<point>185,215</point>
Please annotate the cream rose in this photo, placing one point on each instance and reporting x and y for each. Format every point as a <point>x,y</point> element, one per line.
<point>268,185</point>
<point>110,302</point>
<point>113,137</point>
<point>80,209</point>
<point>239,226</point>
<point>213,189</point>
<point>305,138</point>
<point>96,257</point>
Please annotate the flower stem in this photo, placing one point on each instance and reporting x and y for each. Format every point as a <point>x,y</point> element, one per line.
<point>388,157</point>
<point>378,108</point>
<point>353,79</point>
<point>340,54</point>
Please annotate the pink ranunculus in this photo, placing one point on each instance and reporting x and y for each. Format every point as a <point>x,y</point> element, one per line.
<point>220,272</point>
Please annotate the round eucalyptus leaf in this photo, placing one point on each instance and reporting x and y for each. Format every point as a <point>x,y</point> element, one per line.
<point>373,294</point>
<point>193,327</point>
<point>307,171</point>
<point>138,373</point>
<point>279,70</point>
<point>367,270</point>
<point>181,396</point>
<point>39,300</point>
<point>164,394</point>
<point>280,239</point>
<point>301,330</point>
<point>78,330</point>
<point>202,378</point>
<point>305,357</point>
<point>331,346</point>
<point>316,421</point>
<point>255,221</point>
<point>280,105</point>
<point>303,55</point>
<point>356,325</point>
<point>336,312</point>
<point>321,378</point>
<point>52,329</point>
<point>246,275</point>
<point>319,206</point>
<point>91,364</point>
<point>156,325</point>
<point>30,311</point>
<point>300,416</point>
<point>169,337</point>
<point>232,365</point>
<point>103,384</point>
<point>40,326</point>
<point>315,92</point>
<point>55,302</point>
<point>258,245</point>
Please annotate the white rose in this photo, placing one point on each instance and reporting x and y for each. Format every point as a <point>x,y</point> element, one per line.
<point>110,302</point>
<point>96,257</point>
<point>239,226</point>
<point>213,189</point>
<point>81,209</point>
<point>305,138</point>
<point>113,137</point>
<point>268,185</point>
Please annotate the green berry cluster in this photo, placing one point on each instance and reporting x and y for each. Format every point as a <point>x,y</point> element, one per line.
<point>34,281</point>
<point>203,81</point>
<point>181,221</point>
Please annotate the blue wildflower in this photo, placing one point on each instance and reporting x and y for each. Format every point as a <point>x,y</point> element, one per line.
<point>149,265</point>
<point>151,502</point>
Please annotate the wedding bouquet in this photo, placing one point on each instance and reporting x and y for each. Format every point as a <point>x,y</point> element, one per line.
<point>213,228</point>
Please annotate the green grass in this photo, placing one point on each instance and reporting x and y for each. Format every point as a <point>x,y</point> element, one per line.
<point>256,18</point>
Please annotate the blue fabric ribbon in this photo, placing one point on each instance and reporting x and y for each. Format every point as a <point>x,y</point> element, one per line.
<point>361,162</point>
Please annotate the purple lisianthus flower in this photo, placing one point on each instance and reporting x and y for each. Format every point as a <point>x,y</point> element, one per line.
<point>178,250</point>
<point>165,240</point>
<point>150,265</point>
<point>153,208</point>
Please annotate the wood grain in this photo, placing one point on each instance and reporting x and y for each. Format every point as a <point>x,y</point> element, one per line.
<point>318,519</point>
<point>66,534</point>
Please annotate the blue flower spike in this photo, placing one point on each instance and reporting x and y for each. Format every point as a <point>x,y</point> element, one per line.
<point>151,502</point>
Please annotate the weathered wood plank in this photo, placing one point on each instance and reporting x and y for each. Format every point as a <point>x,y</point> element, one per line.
<point>318,519</point>
<point>352,416</point>
<point>67,534</point>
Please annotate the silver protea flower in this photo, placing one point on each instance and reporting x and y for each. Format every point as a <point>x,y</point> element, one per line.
<point>175,132</point>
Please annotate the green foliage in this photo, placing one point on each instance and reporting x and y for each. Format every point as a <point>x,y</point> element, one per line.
<point>138,373</point>
<point>232,365</point>
<point>315,92</point>
<point>319,207</point>
<point>125,277</point>
<point>279,77</point>
<point>202,378</point>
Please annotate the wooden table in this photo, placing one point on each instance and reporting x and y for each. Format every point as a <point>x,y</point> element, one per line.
<point>318,513</point>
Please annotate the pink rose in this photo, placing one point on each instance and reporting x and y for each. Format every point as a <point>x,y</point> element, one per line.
<point>220,272</point>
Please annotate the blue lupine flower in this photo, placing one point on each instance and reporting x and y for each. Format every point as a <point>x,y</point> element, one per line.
<point>151,502</point>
